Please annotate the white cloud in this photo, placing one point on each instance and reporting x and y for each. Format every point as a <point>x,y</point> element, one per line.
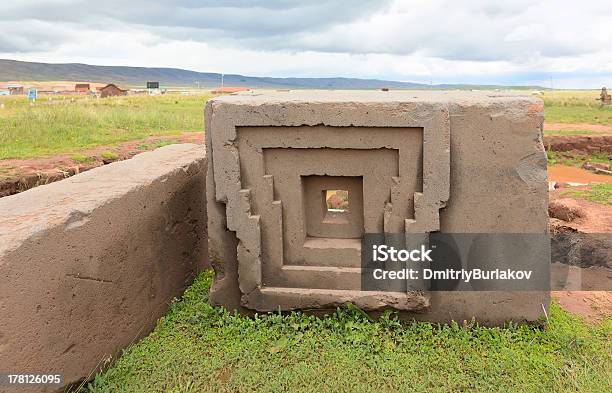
<point>439,40</point>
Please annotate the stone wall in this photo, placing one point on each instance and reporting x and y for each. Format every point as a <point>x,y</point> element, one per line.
<point>88,264</point>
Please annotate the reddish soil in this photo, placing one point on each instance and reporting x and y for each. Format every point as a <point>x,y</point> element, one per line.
<point>579,144</point>
<point>581,216</point>
<point>578,126</point>
<point>594,306</point>
<point>578,214</point>
<point>571,174</point>
<point>20,175</point>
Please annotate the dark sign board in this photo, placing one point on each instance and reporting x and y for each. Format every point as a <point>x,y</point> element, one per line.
<point>152,85</point>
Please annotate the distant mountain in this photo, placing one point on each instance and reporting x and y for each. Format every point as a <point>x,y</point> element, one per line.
<point>13,70</point>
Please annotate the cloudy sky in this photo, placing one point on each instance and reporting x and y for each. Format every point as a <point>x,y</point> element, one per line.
<point>564,43</point>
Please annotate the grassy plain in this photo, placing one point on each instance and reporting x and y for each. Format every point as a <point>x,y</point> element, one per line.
<point>66,124</point>
<point>196,347</point>
<point>576,106</point>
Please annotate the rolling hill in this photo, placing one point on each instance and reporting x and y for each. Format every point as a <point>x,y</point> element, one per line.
<point>13,70</point>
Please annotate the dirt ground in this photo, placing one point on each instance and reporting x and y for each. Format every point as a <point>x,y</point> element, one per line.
<point>599,128</point>
<point>579,144</point>
<point>594,306</point>
<point>19,175</point>
<point>582,216</point>
<point>587,217</point>
<point>572,174</point>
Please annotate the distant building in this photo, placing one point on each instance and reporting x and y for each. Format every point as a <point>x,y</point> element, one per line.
<point>82,88</point>
<point>15,89</point>
<point>227,89</point>
<point>152,85</point>
<point>111,90</point>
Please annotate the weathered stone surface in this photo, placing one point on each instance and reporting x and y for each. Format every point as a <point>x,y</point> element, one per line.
<point>88,264</point>
<point>453,162</point>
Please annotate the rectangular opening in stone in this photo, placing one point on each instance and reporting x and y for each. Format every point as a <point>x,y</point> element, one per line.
<point>337,206</point>
<point>333,206</point>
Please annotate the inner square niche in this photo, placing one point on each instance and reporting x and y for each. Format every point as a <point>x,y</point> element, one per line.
<point>333,206</point>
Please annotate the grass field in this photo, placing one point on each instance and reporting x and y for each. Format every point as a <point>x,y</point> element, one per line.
<point>65,124</point>
<point>576,106</point>
<point>599,193</point>
<point>197,347</point>
<point>577,131</point>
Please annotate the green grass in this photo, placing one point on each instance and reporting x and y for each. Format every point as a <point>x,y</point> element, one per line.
<point>68,124</point>
<point>65,125</point>
<point>575,159</point>
<point>576,107</point>
<point>571,132</point>
<point>599,193</point>
<point>109,155</point>
<point>81,158</point>
<point>196,347</point>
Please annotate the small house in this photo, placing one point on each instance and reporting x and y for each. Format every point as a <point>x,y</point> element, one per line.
<point>15,89</point>
<point>111,90</point>
<point>82,88</point>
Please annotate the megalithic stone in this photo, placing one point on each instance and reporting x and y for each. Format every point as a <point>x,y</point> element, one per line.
<point>408,162</point>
